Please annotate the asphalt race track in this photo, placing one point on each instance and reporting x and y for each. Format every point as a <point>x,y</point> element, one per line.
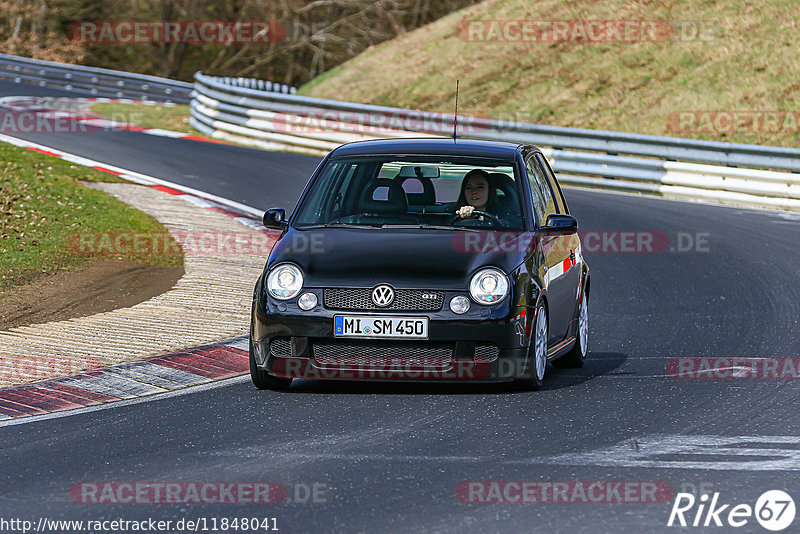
<point>391,457</point>
<point>237,174</point>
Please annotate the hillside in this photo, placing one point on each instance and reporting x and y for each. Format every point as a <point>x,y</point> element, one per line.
<point>738,61</point>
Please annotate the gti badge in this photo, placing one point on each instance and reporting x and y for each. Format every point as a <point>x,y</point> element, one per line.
<point>382,296</point>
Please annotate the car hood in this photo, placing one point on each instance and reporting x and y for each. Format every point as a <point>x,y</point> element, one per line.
<point>424,258</point>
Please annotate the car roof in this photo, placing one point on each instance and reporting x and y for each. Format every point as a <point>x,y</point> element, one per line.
<point>429,146</point>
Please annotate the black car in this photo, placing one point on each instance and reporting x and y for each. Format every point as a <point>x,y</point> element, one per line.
<point>419,259</point>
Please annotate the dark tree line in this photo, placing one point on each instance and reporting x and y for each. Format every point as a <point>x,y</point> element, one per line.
<point>318,34</point>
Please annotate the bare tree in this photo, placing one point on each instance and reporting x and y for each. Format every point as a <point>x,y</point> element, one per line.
<point>317,35</point>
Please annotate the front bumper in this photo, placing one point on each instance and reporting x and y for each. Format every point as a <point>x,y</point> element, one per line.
<point>488,343</point>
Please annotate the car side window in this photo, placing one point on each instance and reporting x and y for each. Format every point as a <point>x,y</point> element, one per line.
<point>561,204</point>
<point>541,196</point>
<point>337,210</point>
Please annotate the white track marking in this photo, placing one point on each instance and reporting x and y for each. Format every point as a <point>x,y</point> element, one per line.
<point>735,453</point>
<point>132,175</point>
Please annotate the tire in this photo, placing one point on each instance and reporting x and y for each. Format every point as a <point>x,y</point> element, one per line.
<point>262,379</point>
<point>537,352</point>
<point>576,357</point>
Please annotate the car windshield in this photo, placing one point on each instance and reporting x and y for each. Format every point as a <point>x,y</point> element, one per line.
<point>419,191</point>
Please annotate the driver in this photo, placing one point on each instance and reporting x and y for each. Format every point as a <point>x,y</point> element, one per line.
<point>476,194</point>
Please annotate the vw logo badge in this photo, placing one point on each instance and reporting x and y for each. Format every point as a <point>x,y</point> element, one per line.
<point>382,295</point>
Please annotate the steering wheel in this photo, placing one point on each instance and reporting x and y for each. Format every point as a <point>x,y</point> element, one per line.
<point>493,218</point>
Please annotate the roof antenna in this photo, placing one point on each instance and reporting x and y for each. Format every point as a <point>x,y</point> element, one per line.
<point>455,118</point>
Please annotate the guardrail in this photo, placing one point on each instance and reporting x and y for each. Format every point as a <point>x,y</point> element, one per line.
<point>114,83</point>
<point>272,116</point>
<point>94,81</point>
<point>707,171</point>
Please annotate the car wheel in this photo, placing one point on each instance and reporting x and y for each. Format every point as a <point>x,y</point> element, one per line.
<point>576,357</point>
<point>262,379</point>
<point>537,352</point>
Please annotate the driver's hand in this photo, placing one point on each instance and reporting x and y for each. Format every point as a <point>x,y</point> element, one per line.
<point>465,211</point>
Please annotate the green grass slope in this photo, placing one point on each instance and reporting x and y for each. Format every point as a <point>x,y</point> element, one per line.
<point>748,61</point>
<point>44,210</point>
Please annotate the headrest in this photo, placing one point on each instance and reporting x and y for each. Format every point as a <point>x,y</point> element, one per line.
<point>426,197</point>
<point>396,201</point>
<point>506,184</point>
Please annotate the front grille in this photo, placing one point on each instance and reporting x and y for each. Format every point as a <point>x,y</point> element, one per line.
<point>486,352</point>
<point>281,347</point>
<point>361,299</point>
<point>406,355</point>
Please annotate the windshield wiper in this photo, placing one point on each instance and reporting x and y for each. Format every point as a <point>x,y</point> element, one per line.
<point>430,227</point>
<point>336,225</point>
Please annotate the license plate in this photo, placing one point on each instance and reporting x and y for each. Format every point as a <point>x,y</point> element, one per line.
<point>380,327</point>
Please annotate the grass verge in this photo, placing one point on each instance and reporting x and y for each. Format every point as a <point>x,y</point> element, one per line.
<point>43,204</point>
<point>174,118</point>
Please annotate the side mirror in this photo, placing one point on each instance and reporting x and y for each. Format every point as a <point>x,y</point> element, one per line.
<point>275,218</point>
<point>560,224</point>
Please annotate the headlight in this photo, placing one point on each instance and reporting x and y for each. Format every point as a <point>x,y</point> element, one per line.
<point>488,286</point>
<point>284,281</point>
<point>307,301</point>
<point>459,305</point>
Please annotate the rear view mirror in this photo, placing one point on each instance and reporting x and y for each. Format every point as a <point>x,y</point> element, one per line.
<point>560,224</point>
<point>418,171</point>
<point>275,218</point>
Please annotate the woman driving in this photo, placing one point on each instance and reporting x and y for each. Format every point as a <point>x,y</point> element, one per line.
<point>477,193</point>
